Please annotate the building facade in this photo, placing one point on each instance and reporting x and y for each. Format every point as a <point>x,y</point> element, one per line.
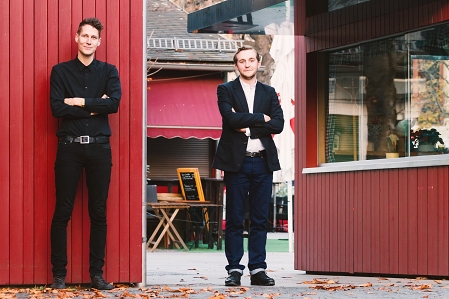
<point>371,78</point>
<point>35,36</point>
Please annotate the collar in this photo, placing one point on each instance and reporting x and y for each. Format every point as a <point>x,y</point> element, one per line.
<point>246,85</point>
<point>80,66</point>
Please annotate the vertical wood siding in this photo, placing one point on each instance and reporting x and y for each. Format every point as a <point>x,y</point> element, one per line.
<point>380,221</point>
<point>35,35</point>
<point>370,20</point>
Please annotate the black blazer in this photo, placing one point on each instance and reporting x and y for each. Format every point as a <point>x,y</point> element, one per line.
<point>232,145</point>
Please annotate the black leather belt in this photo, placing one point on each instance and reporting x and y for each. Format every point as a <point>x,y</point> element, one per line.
<point>85,139</point>
<point>256,154</point>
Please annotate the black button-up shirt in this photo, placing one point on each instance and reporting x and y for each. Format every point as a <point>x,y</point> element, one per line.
<point>73,79</point>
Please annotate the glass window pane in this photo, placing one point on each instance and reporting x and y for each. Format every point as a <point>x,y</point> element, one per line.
<point>389,96</point>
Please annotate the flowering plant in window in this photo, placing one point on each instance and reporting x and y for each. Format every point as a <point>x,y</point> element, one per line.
<point>426,137</point>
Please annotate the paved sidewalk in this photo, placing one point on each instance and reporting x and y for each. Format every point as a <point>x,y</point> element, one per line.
<point>201,275</point>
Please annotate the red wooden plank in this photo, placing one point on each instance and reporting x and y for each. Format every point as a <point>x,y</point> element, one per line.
<point>28,118</point>
<point>444,10</point>
<point>358,223</point>
<point>385,199</point>
<point>5,135</point>
<point>403,223</point>
<point>432,220</point>
<point>349,229</point>
<point>16,224</point>
<point>392,224</point>
<point>88,9</point>
<point>102,13</point>
<point>333,216</point>
<point>375,219</point>
<point>120,141</point>
<point>341,223</point>
<point>435,12</point>
<point>312,241</point>
<point>412,223</point>
<point>76,16</point>
<point>366,216</point>
<point>325,240</point>
<point>422,221</point>
<point>52,123</point>
<point>41,136</point>
<point>423,11</point>
<point>443,223</point>
<point>125,142</point>
<point>136,162</point>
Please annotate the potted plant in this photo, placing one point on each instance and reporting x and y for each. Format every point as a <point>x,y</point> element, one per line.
<point>425,140</point>
<point>392,143</point>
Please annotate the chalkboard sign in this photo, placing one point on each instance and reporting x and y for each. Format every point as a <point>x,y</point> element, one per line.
<point>190,181</point>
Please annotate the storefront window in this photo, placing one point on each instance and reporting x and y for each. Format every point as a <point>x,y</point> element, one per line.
<point>389,98</point>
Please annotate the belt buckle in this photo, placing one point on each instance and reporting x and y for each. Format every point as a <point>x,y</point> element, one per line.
<point>84,139</point>
<point>253,154</point>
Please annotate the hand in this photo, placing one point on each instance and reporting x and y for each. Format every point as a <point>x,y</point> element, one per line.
<point>242,130</point>
<point>266,118</point>
<point>74,101</point>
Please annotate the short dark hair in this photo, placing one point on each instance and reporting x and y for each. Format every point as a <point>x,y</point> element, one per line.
<point>94,22</point>
<point>244,48</point>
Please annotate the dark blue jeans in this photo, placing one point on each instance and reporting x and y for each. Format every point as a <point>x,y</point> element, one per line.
<point>254,181</point>
<point>71,159</point>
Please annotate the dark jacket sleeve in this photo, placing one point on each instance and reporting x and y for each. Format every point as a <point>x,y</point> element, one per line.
<point>113,91</point>
<point>276,124</point>
<point>233,113</point>
<point>57,96</point>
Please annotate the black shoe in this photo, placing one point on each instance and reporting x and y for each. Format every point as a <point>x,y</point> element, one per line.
<point>261,279</point>
<point>233,279</point>
<point>58,282</point>
<point>100,284</point>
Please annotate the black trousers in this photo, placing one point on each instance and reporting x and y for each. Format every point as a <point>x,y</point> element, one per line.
<point>71,159</point>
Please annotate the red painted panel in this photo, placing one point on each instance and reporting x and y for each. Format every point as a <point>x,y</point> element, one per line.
<point>366,222</point>
<point>16,128</point>
<point>432,222</point>
<point>34,44</point>
<point>328,196</point>
<point>392,224</point>
<point>28,153</point>
<point>443,221</point>
<point>5,162</point>
<point>136,141</point>
<point>412,223</point>
<point>422,221</point>
<point>385,200</point>
<point>41,167</point>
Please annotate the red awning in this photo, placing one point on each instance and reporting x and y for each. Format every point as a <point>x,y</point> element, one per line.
<point>184,107</point>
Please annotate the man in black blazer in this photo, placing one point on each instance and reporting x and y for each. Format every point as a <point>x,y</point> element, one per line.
<point>251,114</point>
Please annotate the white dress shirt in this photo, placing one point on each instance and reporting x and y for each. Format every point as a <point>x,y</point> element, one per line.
<point>254,145</point>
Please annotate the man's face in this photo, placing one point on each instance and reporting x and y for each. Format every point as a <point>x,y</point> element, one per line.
<point>88,40</point>
<point>247,64</point>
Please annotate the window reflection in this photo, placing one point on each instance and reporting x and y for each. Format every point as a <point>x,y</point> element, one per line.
<point>389,96</point>
<point>337,4</point>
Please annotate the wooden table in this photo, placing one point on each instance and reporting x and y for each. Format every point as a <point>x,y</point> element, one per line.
<point>167,212</point>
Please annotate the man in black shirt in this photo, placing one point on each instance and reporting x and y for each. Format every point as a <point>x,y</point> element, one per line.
<point>83,91</point>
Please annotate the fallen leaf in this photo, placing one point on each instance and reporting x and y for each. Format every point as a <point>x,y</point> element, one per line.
<point>317,281</point>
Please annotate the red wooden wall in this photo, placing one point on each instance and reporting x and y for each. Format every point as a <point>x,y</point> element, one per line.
<point>35,35</point>
<point>375,221</point>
